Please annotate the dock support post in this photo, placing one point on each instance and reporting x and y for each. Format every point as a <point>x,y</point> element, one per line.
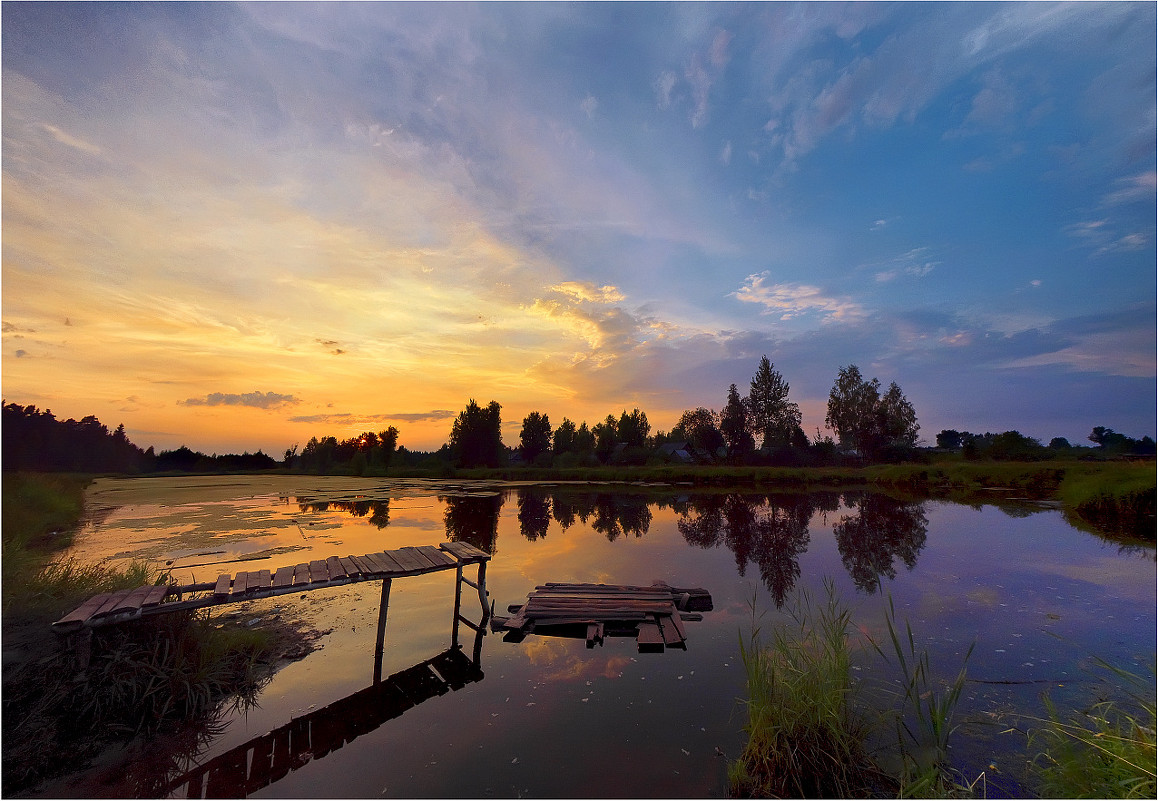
<point>457,606</point>
<point>381,630</point>
<point>482,590</point>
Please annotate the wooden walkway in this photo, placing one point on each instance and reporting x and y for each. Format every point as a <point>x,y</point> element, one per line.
<point>653,615</point>
<point>118,607</point>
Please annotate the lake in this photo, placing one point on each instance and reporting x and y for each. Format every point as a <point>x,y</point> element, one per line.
<point>548,717</point>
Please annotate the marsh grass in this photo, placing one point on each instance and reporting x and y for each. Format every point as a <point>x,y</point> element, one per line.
<point>805,738</point>
<point>809,724</point>
<point>144,677</point>
<point>923,715</point>
<point>1105,751</point>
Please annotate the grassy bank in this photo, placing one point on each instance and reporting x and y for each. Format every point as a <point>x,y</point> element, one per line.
<point>142,676</point>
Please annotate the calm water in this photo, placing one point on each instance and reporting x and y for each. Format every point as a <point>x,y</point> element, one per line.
<point>547,717</point>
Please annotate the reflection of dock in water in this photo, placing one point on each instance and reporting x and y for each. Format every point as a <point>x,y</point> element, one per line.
<point>264,760</point>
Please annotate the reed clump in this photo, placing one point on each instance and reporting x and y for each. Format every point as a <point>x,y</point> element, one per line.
<point>809,725</point>
<point>806,738</point>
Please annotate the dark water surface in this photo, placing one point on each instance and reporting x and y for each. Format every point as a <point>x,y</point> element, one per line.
<point>548,717</point>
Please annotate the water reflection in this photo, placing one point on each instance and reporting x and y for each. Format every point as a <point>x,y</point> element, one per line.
<point>378,511</point>
<point>770,531</point>
<point>473,519</point>
<point>264,760</point>
<point>881,530</point>
<point>612,514</point>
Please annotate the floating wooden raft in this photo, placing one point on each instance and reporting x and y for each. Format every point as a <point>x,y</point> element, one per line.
<point>117,607</point>
<point>654,615</point>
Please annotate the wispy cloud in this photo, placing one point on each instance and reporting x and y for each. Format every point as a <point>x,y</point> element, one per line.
<point>794,300</point>
<point>256,400</point>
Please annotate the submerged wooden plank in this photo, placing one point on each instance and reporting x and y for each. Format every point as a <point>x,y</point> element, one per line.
<point>671,637</point>
<point>222,588</point>
<point>284,577</point>
<point>334,566</point>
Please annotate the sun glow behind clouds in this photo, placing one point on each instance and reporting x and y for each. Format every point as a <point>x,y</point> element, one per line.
<point>381,211</point>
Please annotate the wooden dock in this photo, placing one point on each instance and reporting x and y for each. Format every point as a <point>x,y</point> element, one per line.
<point>118,607</point>
<point>654,615</point>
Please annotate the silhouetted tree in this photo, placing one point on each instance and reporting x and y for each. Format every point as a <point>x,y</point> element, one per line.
<point>949,439</point>
<point>633,429</point>
<point>564,438</point>
<point>774,418</point>
<point>735,424</point>
<point>700,427</point>
<point>864,420</point>
<point>535,437</point>
<point>476,437</point>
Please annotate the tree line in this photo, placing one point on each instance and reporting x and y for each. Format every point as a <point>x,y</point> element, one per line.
<point>1013,445</point>
<point>761,427</point>
<point>36,440</point>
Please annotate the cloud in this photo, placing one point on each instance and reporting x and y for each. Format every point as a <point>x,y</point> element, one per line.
<point>664,85</point>
<point>589,106</point>
<point>256,400</point>
<point>71,141</point>
<point>1136,188</point>
<point>350,418</point>
<point>794,300</point>
<point>587,292</point>
<point>726,153</point>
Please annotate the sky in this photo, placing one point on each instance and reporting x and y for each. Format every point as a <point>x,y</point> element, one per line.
<point>235,227</point>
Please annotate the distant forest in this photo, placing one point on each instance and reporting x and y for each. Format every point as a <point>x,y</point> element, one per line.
<point>761,428</point>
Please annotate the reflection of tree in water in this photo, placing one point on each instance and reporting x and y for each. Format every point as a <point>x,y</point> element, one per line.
<point>611,514</point>
<point>378,511</point>
<point>473,519</point>
<point>534,513</point>
<point>770,531</point>
<point>881,530</point>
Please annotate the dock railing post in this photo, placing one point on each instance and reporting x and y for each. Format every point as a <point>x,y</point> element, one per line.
<point>381,630</point>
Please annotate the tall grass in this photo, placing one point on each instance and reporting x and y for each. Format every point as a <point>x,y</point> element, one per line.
<point>1105,751</point>
<point>809,725</point>
<point>144,677</point>
<point>923,718</point>
<point>805,738</point>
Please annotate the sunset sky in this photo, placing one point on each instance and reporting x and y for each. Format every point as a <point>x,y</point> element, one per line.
<point>239,226</point>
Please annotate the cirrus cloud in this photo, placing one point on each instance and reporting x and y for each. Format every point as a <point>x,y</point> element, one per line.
<point>795,300</point>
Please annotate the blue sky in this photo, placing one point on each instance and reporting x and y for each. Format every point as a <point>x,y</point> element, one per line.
<point>237,226</point>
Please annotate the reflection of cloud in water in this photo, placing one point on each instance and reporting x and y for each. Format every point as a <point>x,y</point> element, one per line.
<point>563,662</point>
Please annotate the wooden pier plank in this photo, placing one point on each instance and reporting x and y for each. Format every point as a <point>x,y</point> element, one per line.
<point>301,574</point>
<point>380,565</point>
<point>240,583</point>
<point>334,566</point>
<point>465,552</point>
<point>365,566</point>
<point>318,572</point>
<point>437,558</point>
<point>222,588</point>
<point>649,637</point>
<point>408,561</point>
<point>156,595</point>
<point>284,577</point>
<point>85,610</point>
<point>111,603</point>
<point>258,581</point>
<point>348,565</point>
<point>388,560</point>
